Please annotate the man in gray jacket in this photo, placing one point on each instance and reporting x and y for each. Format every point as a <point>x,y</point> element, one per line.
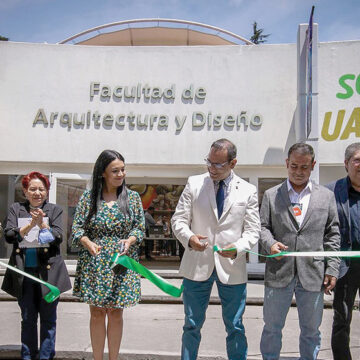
<point>347,195</point>
<point>297,215</point>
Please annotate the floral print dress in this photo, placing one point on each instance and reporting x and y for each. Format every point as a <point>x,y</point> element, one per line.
<point>95,283</point>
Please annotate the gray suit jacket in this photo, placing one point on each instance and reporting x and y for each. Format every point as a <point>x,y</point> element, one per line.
<point>319,231</point>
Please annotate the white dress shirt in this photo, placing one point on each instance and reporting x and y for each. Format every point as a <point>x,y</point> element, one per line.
<point>300,201</point>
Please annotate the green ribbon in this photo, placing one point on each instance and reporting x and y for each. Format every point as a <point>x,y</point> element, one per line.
<point>51,296</point>
<point>217,249</point>
<point>341,254</point>
<point>118,261</point>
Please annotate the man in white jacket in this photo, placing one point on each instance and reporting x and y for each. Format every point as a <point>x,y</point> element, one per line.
<point>216,208</point>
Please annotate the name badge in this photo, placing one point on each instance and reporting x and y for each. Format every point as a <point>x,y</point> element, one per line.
<point>297,209</point>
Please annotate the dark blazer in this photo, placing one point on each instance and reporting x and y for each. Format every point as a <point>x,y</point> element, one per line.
<point>319,231</point>
<point>51,266</point>
<point>340,189</point>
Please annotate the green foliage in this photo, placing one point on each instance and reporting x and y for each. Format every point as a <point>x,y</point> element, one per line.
<point>3,38</point>
<point>258,37</point>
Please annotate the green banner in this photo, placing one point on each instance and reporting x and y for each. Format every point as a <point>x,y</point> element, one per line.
<point>51,296</point>
<point>129,263</point>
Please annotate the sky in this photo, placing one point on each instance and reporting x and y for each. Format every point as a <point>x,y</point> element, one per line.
<point>51,21</point>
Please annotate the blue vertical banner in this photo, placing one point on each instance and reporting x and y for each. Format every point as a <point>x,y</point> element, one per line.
<point>309,43</point>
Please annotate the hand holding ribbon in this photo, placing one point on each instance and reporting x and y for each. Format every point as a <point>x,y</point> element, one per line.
<point>118,263</point>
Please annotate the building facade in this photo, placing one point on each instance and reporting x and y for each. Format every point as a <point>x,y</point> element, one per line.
<point>162,107</point>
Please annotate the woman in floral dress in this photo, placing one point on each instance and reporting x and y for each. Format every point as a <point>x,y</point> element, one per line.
<point>106,216</point>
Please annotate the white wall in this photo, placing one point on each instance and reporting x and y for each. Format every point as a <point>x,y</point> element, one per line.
<point>255,79</point>
<point>335,60</point>
<point>56,78</point>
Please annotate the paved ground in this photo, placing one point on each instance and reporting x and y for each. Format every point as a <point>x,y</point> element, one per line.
<point>152,330</point>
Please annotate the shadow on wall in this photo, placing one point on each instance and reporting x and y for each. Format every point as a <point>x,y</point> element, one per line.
<point>277,156</point>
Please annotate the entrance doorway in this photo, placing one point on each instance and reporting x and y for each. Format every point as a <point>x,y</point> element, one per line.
<point>65,191</point>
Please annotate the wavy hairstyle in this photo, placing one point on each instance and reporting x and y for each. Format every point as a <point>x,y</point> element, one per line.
<point>102,162</point>
<point>35,175</point>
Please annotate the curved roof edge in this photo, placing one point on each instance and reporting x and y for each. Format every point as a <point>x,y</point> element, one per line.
<point>127,22</point>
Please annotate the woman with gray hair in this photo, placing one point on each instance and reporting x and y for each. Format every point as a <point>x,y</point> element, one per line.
<point>109,219</point>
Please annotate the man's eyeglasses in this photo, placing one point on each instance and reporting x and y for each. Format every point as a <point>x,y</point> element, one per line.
<point>355,161</point>
<point>215,165</point>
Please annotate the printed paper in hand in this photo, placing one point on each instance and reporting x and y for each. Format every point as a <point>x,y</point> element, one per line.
<point>31,239</point>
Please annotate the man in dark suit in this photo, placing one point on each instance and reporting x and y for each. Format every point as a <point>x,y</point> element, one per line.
<point>347,195</point>
<point>297,215</point>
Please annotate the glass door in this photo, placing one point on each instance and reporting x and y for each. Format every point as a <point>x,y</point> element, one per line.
<point>65,191</point>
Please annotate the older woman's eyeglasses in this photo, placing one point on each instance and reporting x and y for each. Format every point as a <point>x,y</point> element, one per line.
<point>215,165</point>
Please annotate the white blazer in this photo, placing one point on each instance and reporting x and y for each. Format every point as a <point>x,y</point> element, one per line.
<point>196,213</point>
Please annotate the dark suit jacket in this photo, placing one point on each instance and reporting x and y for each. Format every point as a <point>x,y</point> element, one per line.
<point>319,231</point>
<point>51,266</point>
<point>340,189</point>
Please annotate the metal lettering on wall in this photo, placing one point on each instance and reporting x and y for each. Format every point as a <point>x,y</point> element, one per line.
<point>143,93</point>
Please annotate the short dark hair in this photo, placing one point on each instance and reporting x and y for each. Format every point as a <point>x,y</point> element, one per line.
<point>303,149</point>
<point>225,144</point>
<point>351,150</point>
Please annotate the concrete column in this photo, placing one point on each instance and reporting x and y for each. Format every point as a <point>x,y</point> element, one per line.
<point>5,250</point>
<point>300,124</point>
<point>253,259</point>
